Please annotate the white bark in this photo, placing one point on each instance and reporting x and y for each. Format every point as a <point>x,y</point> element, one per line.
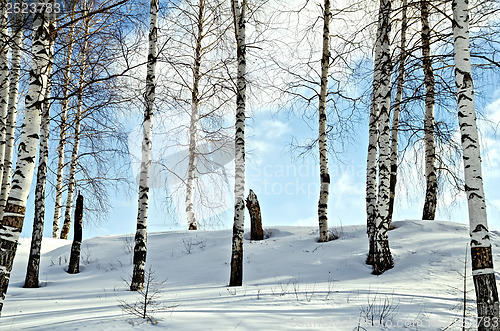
<point>74,160</point>
<point>371,181</point>
<point>382,258</point>
<point>239,16</point>
<point>323,152</point>
<point>429,210</point>
<point>140,248</point>
<point>16,43</point>
<point>63,127</point>
<point>481,253</point>
<point>13,219</point>
<point>4,81</point>
<point>192,225</point>
<point>33,269</point>
<point>397,110</point>
<point>371,159</point>
<point>77,124</point>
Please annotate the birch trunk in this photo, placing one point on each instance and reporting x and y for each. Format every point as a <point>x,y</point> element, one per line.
<point>33,269</point>
<point>16,44</point>
<point>15,209</point>
<point>382,258</point>
<point>371,159</point>
<point>371,182</point>
<point>4,80</point>
<point>397,111</point>
<point>482,257</point>
<point>429,211</point>
<point>192,225</point>
<point>73,164</point>
<point>62,129</point>
<point>239,17</point>
<point>140,248</point>
<point>323,154</point>
<point>78,122</point>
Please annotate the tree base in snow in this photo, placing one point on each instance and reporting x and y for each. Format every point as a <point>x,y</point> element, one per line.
<point>382,257</point>
<point>487,302</point>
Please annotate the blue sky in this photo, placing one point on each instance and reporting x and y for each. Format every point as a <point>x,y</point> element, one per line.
<point>287,185</point>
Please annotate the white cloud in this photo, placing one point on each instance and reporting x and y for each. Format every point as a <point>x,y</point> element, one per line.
<point>272,129</point>
<point>265,137</point>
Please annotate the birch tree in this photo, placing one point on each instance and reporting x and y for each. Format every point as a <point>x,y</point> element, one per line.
<point>194,119</point>
<point>239,16</point>
<point>380,256</point>
<point>397,110</point>
<point>323,152</point>
<point>429,210</point>
<point>4,80</point>
<point>481,253</point>
<point>33,269</point>
<point>88,109</point>
<point>198,92</point>
<point>66,83</point>
<point>12,222</point>
<point>15,46</point>
<point>77,126</point>
<point>140,248</point>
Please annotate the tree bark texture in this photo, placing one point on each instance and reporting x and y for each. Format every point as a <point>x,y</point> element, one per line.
<point>12,222</point>
<point>4,81</point>
<point>382,257</point>
<point>256,232</point>
<point>429,210</point>
<point>16,44</point>
<point>397,111</point>
<point>67,77</point>
<point>191,219</point>
<point>239,16</point>
<point>140,247</point>
<point>323,151</point>
<point>481,253</point>
<point>33,269</point>
<point>78,121</point>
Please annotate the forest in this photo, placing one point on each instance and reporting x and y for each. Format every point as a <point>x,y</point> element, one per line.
<point>414,76</point>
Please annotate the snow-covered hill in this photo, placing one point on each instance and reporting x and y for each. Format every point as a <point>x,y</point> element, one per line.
<point>290,282</point>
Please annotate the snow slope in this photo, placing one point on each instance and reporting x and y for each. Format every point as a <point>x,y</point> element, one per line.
<point>290,282</point>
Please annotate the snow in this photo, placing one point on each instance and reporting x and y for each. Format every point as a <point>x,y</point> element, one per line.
<point>290,282</point>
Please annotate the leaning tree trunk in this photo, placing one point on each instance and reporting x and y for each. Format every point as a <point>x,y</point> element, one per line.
<point>256,232</point>
<point>397,111</point>
<point>323,153</point>
<point>382,258</point>
<point>33,269</point>
<point>74,259</point>
<point>16,43</point>
<point>142,212</point>
<point>429,211</point>
<point>236,277</point>
<point>62,128</point>
<point>76,140</point>
<point>481,253</point>
<point>12,222</point>
<point>192,225</point>
<point>4,80</point>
